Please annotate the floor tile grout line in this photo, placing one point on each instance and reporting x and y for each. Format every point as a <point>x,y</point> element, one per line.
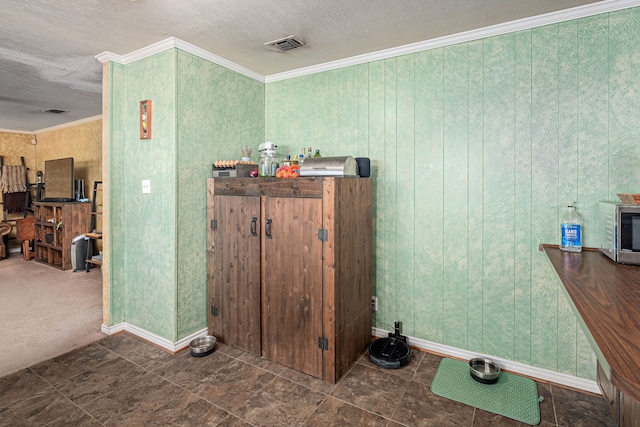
<point>31,368</point>
<point>324,399</point>
<point>365,410</point>
<point>359,362</point>
<point>68,366</point>
<point>123,356</point>
<point>404,392</point>
<point>233,413</point>
<point>553,406</point>
<point>63,395</point>
<point>190,391</point>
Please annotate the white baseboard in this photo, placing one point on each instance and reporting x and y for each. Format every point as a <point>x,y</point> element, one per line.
<point>506,364</point>
<point>164,343</point>
<point>111,330</point>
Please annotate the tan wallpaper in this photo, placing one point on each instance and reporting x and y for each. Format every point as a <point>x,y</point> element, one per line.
<point>12,147</point>
<point>16,145</point>
<point>82,142</point>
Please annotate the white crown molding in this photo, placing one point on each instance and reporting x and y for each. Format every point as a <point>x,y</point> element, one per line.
<point>70,124</point>
<point>57,127</point>
<point>506,364</point>
<point>24,132</point>
<point>494,30</point>
<point>201,53</point>
<point>173,42</point>
<point>172,347</point>
<point>139,54</point>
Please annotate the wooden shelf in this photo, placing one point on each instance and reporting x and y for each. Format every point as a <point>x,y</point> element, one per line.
<point>47,245</point>
<point>74,217</point>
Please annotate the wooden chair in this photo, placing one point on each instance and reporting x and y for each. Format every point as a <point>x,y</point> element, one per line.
<point>5,228</point>
<point>25,232</point>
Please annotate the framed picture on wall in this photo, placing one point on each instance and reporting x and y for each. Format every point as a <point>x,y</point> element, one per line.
<point>145,119</point>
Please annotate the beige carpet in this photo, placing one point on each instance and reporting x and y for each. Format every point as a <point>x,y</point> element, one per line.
<point>45,312</point>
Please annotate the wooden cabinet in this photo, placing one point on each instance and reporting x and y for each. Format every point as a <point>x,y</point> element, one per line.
<point>56,225</point>
<point>629,411</point>
<point>624,410</point>
<point>289,269</point>
<point>609,393</point>
<point>234,272</point>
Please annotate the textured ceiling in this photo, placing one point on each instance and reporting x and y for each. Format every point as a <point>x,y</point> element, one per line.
<point>48,48</point>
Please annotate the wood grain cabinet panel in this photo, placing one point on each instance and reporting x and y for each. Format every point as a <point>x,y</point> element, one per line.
<point>56,224</point>
<point>630,412</point>
<point>609,393</point>
<point>234,290</point>
<point>307,245</point>
<point>624,410</point>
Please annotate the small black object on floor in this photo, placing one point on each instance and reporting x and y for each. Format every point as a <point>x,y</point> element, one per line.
<point>391,352</point>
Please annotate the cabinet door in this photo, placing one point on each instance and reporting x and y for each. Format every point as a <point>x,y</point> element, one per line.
<point>235,290</point>
<point>292,290</point>
<point>609,392</point>
<point>630,412</point>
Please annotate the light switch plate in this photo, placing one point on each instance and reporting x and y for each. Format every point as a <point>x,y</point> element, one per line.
<point>146,186</point>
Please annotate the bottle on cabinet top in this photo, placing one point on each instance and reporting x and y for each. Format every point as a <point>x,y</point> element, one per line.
<point>571,231</point>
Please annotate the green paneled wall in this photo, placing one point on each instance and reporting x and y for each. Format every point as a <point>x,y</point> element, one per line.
<point>475,150</point>
<point>201,112</point>
<point>116,170</point>
<point>143,244</point>
<point>219,111</point>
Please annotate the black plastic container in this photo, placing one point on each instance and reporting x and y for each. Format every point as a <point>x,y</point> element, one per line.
<point>364,166</point>
<point>391,352</point>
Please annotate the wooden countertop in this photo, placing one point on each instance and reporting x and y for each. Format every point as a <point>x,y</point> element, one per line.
<point>606,296</point>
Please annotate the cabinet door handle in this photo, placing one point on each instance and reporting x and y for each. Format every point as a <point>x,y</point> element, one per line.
<point>254,222</point>
<point>267,228</point>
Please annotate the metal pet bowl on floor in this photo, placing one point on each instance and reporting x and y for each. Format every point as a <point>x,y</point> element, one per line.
<point>202,346</point>
<point>484,371</point>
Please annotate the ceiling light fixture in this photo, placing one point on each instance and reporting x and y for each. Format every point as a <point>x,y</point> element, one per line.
<point>286,43</point>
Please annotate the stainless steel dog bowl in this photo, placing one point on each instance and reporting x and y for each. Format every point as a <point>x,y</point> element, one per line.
<point>202,346</point>
<point>484,371</point>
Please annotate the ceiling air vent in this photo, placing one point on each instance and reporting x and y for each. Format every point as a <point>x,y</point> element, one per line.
<point>286,43</point>
<point>55,111</point>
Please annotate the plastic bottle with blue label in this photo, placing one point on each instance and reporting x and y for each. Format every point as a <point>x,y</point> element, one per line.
<point>571,231</point>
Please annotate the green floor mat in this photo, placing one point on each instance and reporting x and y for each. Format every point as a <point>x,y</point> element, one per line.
<point>512,396</point>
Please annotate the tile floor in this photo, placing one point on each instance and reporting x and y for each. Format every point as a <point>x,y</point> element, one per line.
<point>122,381</point>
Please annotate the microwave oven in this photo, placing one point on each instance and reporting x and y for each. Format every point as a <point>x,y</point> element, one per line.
<point>620,232</point>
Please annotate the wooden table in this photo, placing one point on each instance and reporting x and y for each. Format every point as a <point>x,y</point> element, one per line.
<point>606,299</point>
